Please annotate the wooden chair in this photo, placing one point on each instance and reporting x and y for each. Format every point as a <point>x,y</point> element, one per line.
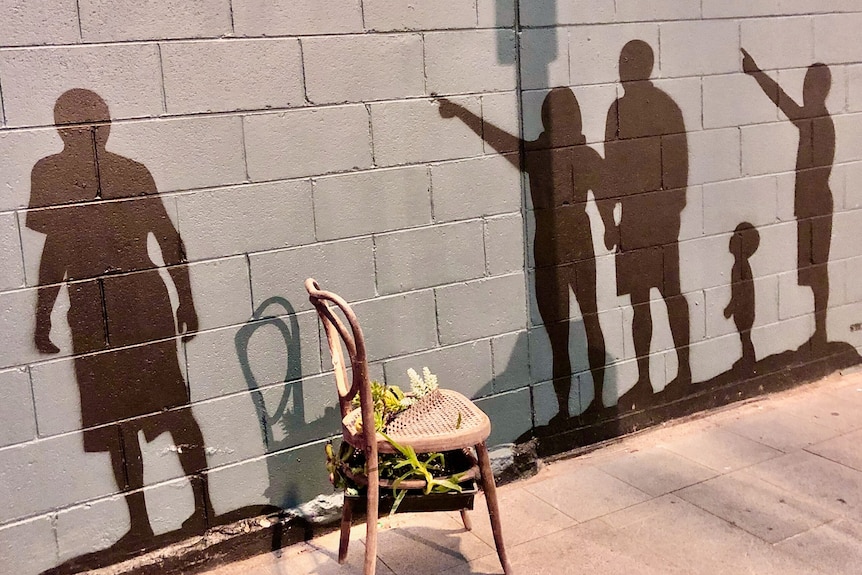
<point>461,426</point>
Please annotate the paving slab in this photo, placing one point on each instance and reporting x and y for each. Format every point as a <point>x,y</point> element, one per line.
<point>778,429</point>
<point>657,471</point>
<point>721,450</point>
<point>835,547</point>
<point>843,449</point>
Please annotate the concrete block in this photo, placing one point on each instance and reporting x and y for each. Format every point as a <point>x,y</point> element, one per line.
<point>504,244</point>
<point>541,356</point>
<point>792,81</point>
<point>635,11</point>
<point>109,21</point>
<point>408,260</point>
<point>28,547</point>
<point>296,17</point>
<point>848,131</point>
<point>735,99</point>
<point>854,88</point>
<point>693,220</point>
<point>307,142</point>
<point>786,335</point>
<point>386,15</point>
<point>469,61</point>
<point>606,294</point>
<point>412,131</point>
<point>398,325</point>
<point>510,415</point>
<point>852,185</point>
<point>727,204</point>
<point>779,42</point>
<point>10,253</point>
<point>496,13</point>
<point>595,51</point>
<point>835,38</point>
<point>476,187</point>
<point>345,267</point>
<point>185,153</point>
<point>793,299</point>
<point>705,262</point>
<point>699,48</point>
<point>780,139</point>
<point>225,75</point>
<point>777,251</point>
<point>839,324</point>
<point>713,155</point>
<point>714,356</point>
<point>687,93</point>
<point>544,58</point>
<point>511,361</point>
<point>30,474</point>
<point>231,430</point>
<point>362,68</point>
<point>595,101</point>
<point>16,408</point>
<point>845,235</point>
<point>371,202</point>
<point>17,312</point>
<point>221,292</point>
<point>742,8</point>
<point>464,368</point>
<point>29,23</point>
<point>480,308</point>
<point>662,337</point>
<point>246,219</point>
<point>92,527</point>
<point>766,301</point>
<point>853,284</point>
<point>19,152</point>
<point>56,396</point>
<point>551,13</point>
<point>126,76</point>
<point>501,110</point>
<point>256,355</point>
<point>312,412</point>
<point>284,479</point>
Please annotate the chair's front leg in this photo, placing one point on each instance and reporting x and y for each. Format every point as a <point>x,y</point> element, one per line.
<point>371,519</point>
<point>490,489</point>
<point>346,519</point>
<point>468,525</point>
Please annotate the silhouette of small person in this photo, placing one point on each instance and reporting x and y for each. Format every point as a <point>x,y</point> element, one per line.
<point>812,204</point>
<point>646,167</point>
<point>562,169</point>
<point>100,210</point>
<point>743,244</point>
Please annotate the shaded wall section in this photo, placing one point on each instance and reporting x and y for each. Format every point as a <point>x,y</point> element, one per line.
<point>583,227</point>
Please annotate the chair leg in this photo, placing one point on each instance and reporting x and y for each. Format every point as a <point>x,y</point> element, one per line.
<point>468,525</point>
<point>371,522</point>
<point>346,518</point>
<point>490,489</point>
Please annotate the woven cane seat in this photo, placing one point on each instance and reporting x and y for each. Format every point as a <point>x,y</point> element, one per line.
<point>442,421</point>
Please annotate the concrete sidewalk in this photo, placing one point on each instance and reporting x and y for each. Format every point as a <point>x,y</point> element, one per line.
<point>769,486</point>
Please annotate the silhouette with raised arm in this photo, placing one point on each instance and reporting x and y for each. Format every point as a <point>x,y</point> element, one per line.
<point>97,210</point>
<point>562,169</point>
<point>743,243</point>
<point>812,203</point>
<point>646,173</point>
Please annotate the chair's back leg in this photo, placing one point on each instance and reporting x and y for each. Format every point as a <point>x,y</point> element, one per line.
<point>346,519</point>
<point>371,520</point>
<point>468,525</point>
<point>490,489</point>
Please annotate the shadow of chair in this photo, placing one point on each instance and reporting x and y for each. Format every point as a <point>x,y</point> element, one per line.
<point>450,422</point>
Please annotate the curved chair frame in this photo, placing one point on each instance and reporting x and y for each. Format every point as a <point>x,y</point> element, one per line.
<point>368,440</point>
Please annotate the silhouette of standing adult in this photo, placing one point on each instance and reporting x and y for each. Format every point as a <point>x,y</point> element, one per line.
<point>646,173</point>
<point>562,169</point>
<point>812,204</point>
<point>101,209</point>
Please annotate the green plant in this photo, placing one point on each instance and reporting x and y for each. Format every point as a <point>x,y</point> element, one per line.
<point>388,400</point>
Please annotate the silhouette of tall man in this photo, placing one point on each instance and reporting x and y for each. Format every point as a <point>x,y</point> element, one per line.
<point>562,169</point>
<point>102,209</point>
<point>812,203</point>
<point>646,173</point>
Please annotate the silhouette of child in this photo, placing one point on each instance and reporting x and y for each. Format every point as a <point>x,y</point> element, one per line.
<point>743,244</point>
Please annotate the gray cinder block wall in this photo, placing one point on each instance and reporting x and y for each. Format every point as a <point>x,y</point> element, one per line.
<point>297,138</point>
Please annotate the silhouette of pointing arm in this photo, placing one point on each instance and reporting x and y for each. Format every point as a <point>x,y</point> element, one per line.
<point>499,139</point>
<point>771,88</point>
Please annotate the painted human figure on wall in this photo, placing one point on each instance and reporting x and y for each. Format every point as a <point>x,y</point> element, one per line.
<point>562,169</point>
<point>812,203</point>
<point>97,210</point>
<point>646,174</point>
<point>743,243</point>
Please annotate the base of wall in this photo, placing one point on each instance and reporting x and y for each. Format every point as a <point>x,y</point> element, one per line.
<point>772,374</point>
